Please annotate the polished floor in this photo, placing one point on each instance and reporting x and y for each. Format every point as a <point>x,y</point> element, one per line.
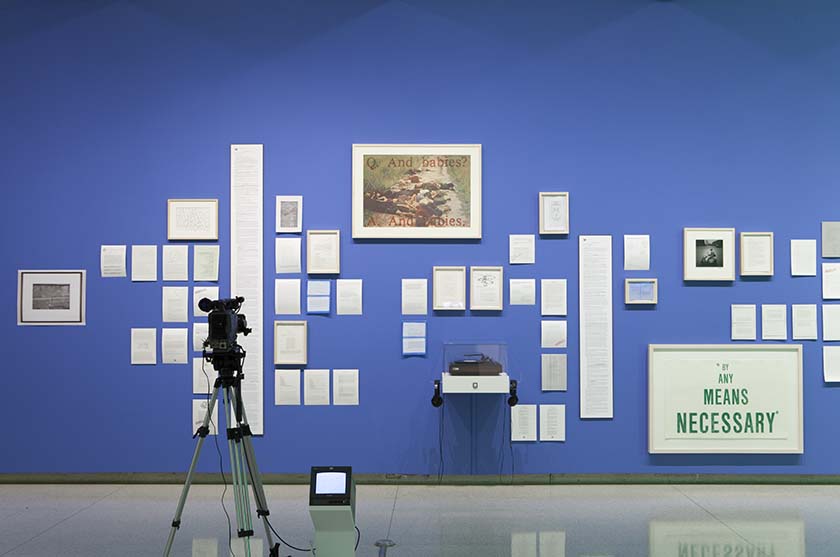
<point>428,521</point>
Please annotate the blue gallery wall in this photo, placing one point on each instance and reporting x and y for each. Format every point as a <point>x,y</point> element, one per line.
<point>654,115</point>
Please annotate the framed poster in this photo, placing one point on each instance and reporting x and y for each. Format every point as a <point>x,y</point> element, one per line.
<point>756,254</point>
<point>554,212</point>
<point>641,291</point>
<point>323,255</point>
<point>417,191</point>
<point>725,398</point>
<point>192,219</point>
<point>709,254</point>
<point>486,288</point>
<point>289,214</point>
<point>290,341</point>
<point>449,288</point>
<point>51,297</point>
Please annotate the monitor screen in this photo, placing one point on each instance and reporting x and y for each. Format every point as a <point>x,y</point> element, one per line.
<point>331,483</point>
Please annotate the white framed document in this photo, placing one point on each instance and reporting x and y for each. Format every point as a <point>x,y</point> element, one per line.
<point>486,288</point>
<point>803,258</point>
<point>192,219</point>
<point>709,254</point>
<point>756,254</point>
<point>323,252</point>
<point>449,288</point>
<point>51,297</point>
<point>554,212</point>
<point>725,398</point>
<point>290,341</point>
<point>289,214</point>
<point>644,291</point>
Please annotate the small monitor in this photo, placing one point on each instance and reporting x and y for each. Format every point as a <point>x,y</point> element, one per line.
<point>330,485</point>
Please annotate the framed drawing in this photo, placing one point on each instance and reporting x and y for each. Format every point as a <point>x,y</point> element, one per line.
<point>554,212</point>
<point>290,341</point>
<point>323,252</point>
<point>289,214</point>
<point>708,254</point>
<point>417,191</point>
<point>725,398</point>
<point>192,219</point>
<point>756,254</point>
<point>51,297</point>
<point>486,288</point>
<point>641,291</point>
<point>449,288</point>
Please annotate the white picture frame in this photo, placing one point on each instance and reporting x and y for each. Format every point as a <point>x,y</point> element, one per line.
<point>390,200</point>
<point>323,252</point>
<point>554,213</point>
<point>290,342</point>
<point>680,374</point>
<point>288,214</point>
<point>709,254</point>
<point>51,297</point>
<point>486,288</point>
<point>449,288</point>
<point>192,219</point>
<point>757,254</point>
<point>641,291</point>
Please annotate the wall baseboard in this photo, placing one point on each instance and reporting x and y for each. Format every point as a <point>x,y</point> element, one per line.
<point>420,479</point>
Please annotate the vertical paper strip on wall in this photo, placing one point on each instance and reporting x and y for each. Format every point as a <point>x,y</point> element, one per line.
<point>596,327</point>
<point>246,267</point>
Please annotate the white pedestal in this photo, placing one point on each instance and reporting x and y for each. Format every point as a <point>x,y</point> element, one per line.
<point>475,384</point>
<point>335,530</point>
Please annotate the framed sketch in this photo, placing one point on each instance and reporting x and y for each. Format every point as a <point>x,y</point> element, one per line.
<point>756,254</point>
<point>554,212</point>
<point>709,254</point>
<point>486,288</point>
<point>449,288</point>
<point>289,214</point>
<point>323,252</point>
<point>51,297</point>
<point>290,341</point>
<point>641,291</point>
<point>192,219</point>
<point>417,191</point>
<point>725,398</point>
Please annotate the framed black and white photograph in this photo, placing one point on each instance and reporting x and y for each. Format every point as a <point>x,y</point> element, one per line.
<point>51,297</point>
<point>709,254</point>
<point>641,291</point>
<point>192,219</point>
<point>756,254</point>
<point>554,212</point>
<point>289,215</point>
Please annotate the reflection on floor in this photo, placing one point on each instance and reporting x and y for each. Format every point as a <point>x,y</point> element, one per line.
<point>428,521</point>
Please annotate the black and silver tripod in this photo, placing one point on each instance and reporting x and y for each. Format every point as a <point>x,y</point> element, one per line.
<point>243,462</point>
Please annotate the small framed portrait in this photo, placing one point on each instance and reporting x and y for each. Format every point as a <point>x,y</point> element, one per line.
<point>289,214</point>
<point>554,212</point>
<point>708,254</point>
<point>756,254</point>
<point>642,291</point>
<point>51,297</point>
<point>192,219</point>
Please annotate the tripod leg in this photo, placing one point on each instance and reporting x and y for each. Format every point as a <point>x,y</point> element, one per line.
<point>256,481</point>
<point>202,433</point>
<point>240,489</point>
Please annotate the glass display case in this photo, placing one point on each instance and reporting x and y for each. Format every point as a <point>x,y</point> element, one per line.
<point>475,368</point>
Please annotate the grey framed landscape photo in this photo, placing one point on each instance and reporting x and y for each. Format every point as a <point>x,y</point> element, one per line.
<point>708,254</point>
<point>51,297</point>
<point>417,191</point>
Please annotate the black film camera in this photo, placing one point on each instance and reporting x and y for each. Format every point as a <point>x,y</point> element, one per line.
<point>224,324</point>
